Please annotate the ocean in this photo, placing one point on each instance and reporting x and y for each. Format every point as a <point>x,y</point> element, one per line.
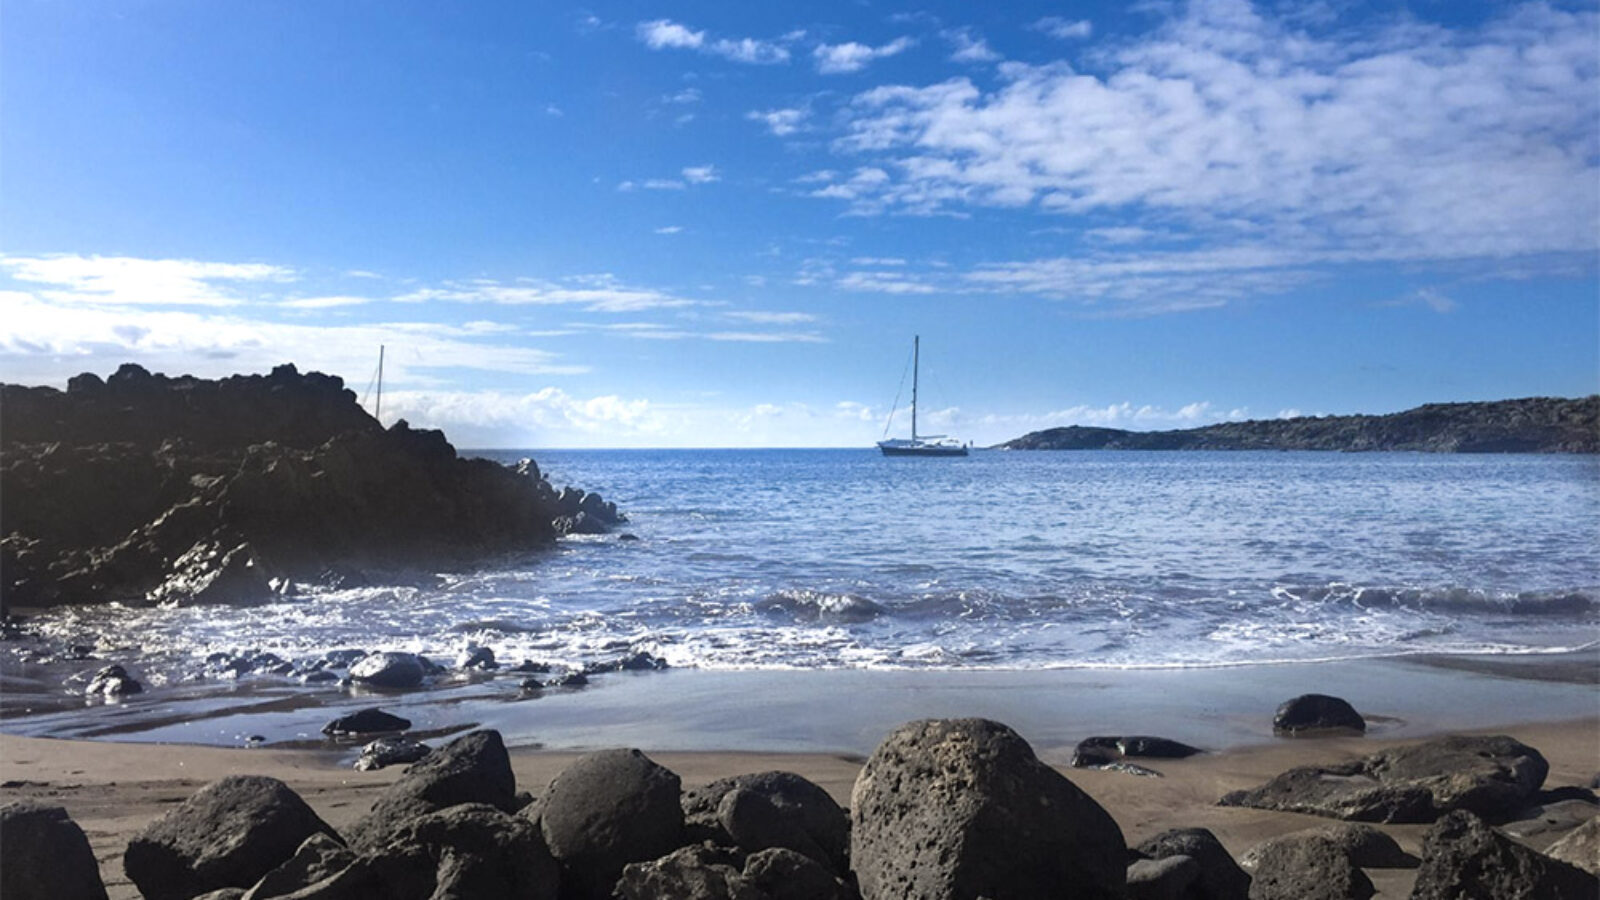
<point>830,559</point>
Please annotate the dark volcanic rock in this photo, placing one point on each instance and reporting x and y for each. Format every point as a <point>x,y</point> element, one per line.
<point>368,721</point>
<point>787,875</point>
<point>1308,868</point>
<point>46,855</point>
<point>1492,776</point>
<point>473,768</point>
<point>144,488</point>
<point>961,808</point>
<point>112,681</point>
<point>700,872</point>
<point>391,751</point>
<point>464,852</point>
<point>1366,846</point>
<point>1581,847</point>
<point>317,858</point>
<point>1094,752</point>
<point>1219,877</point>
<point>1169,878</point>
<point>1531,425</point>
<point>1463,857</point>
<point>229,834</point>
<point>605,810</point>
<point>389,670</point>
<point>1316,712</point>
<point>802,805</point>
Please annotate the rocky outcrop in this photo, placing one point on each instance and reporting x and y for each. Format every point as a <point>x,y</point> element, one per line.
<point>1531,425</point>
<point>1492,776</point>
<point>961,808</point>
<point>146,489</point>
<point>1215,875</point>
<point>46,855</point>
<point>1311,867</point>
<point>1463,857</point>
<point>229,834</point>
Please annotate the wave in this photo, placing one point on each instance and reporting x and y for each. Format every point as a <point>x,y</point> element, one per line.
<point>1582,603</point>
<point>818,606</point>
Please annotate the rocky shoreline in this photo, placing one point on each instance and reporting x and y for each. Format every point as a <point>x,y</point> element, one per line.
<point>1529,425</point>
<point>943,808</point>
<point>145,489</point>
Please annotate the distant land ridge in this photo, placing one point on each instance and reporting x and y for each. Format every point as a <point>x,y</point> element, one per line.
<point>1528,425</point>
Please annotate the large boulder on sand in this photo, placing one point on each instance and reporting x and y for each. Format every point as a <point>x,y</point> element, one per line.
<point>229,834</point>
<point>1311,867</point>
<point>1581,847</point>
<point>466,851</point>
<point>1367,847</point>
<point>961,808</point>
<point>1316,712</point>
<point>46,855</point>
<point>1492,776</point>
<point>1463,857</point>
<point>473,768</point>
<point>389,669</point>
<point>605,810</point>
<point>1218,878</point>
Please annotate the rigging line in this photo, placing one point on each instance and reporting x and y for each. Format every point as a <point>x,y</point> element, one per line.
<point>367,394</point>
<point>897,392</point>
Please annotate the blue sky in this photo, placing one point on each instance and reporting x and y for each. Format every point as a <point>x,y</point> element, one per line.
<point>711,224</point>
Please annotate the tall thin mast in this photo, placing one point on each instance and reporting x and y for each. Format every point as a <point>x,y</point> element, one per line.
<point>916,354</point>
<point>377,412</point>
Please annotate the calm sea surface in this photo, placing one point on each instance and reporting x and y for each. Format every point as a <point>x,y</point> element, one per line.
<point>841,558</point>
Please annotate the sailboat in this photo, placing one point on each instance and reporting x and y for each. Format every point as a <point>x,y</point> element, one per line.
<point>923,445</point>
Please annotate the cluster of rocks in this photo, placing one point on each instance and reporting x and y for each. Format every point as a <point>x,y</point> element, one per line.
<point>141,488</point>
<point>942,809</point>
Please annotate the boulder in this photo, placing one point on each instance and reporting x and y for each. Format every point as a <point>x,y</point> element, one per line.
<point>1169,878</point>
<point>46,855</point>
<point>473,768</point>
<point>1310,867</point>
<point>465,852</point>
<point>317,858</point>
<point>1581,847</point>
<point>805,806</point>
<point>1366,846</point>
<point>390,751</point>
<point>389,669</point>
<point>229,834</point>
<point>961,808</point>
<point>605,810</point>
<point>477,657</point>
<point>1099,751</point>
<point>786,875</point>
<point>1463,857</point>
<point>1492,776</point>
<point>1316,712</point>
<point>1218,876</point>
<point>112,681</point>
<point>367,721</point>
<point>755,823</point>
<point>700,872</point>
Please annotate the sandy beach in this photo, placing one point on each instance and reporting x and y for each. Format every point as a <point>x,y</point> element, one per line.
<point>114,789</point>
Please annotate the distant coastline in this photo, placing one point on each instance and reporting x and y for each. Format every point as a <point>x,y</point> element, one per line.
<point>1527,425</point>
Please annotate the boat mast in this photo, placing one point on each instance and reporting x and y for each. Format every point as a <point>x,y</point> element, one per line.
<point>377,412</point>
<point>916,353</point>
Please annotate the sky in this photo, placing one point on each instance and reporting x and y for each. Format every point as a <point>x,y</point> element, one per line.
<point>685,224</point>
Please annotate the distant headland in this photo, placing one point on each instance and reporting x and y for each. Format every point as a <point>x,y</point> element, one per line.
<point>1528,425</point>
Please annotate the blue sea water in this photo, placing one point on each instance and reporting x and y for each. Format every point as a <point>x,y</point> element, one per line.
<point>1008,560</point>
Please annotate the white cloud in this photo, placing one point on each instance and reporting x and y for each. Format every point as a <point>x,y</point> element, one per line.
<point>1066,29</point>
<point>1428,298</point>
<point>665,34</point>
<point>324,302</point>
<point>553,110</point>
<point>877,261</point>
<point>1403,143</point>
<point>701,174</point>
<point>685,96</point>
<point>121,280</point>
<point>834,59</point>
<point>781,122</point>
<point>600,294</point>
<point>884,283</point>
<point>968,48</point>
<point>669,229</point>
<point>771,318</point>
